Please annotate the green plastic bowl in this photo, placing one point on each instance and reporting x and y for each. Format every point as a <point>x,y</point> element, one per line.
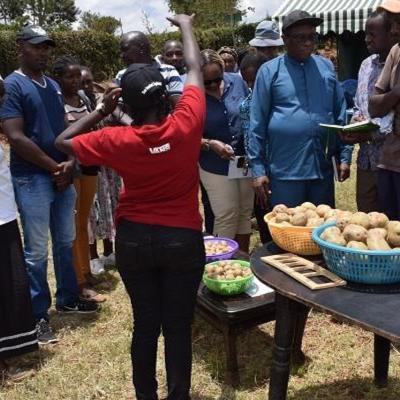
<point>229,288</point>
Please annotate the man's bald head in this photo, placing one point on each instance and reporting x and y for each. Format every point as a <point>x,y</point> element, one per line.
<point>173,54</point>
<point>135,48</point>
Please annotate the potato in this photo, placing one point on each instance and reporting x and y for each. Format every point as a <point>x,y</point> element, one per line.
<point>282,217</point>
<point>342,221</point>
<point>299,209</point>
<point>314,222</point>
<point>331,231</point>
<point>357,245</point>
<point>322,209</point>
<point>377,220</point>
<point>311,214</point>
<point>360,218</point>
<point>330,219</point>
<point>309,206</point>
<point>393,236</point>
<point>377,232</point>
<point>299,219</point>
<point>331,213</point>
<point>337,239</point>
<point>377,243</point>
<point>291,211</point>
<point>280,208</point>
<point>355,232</point>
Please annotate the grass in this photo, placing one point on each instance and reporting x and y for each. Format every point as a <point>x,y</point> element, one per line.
<point>92,360</point>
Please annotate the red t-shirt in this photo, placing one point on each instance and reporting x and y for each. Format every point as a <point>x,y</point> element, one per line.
<point>158,164</point>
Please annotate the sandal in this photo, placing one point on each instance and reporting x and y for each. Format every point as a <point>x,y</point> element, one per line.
<point>92,295</point>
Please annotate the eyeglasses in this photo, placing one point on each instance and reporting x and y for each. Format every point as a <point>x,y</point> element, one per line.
<point>211,81</point>
<point>302,38</point>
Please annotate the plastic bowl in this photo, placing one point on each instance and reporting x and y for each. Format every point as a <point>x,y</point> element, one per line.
<point>363,266</point>
<point>222,256</point>
<point>231,287</point>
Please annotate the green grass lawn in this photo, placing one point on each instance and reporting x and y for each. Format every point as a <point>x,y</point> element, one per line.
<point>92,359</point>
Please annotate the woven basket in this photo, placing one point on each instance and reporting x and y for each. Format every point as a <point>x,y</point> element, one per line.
<point>294,239</point>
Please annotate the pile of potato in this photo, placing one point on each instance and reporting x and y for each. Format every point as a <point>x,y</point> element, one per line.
<point>363,231</point>
<point>216,247</point>
<point>307,214</point>
<point>227,270</point>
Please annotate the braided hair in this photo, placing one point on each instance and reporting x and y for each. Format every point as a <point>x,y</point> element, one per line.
<point>61,65</point>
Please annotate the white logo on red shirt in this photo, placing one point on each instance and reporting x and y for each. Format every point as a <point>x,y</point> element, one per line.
<point>161,149</point>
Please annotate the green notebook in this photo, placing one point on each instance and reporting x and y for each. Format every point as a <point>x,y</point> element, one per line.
<point>357,127</point>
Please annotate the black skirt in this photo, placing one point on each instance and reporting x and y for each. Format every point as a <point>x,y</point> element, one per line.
<point>17,324</point>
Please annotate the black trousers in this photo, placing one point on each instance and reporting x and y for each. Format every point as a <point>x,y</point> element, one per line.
<point>389,193</point>
<point>161,268</point>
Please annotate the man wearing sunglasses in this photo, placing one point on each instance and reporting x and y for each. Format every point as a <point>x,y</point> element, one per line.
<point>290,155</point>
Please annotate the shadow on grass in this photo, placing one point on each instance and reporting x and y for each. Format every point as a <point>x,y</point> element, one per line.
<point>254,354</point>
<point>349,389</point>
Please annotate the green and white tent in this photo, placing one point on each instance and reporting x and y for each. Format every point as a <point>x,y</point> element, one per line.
<point>338,15</point>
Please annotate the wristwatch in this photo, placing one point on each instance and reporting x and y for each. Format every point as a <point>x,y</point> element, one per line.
<point>101,109</point>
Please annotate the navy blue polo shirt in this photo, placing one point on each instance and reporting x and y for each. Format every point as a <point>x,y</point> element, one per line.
<point>223,123</point>
<point>42,110</point>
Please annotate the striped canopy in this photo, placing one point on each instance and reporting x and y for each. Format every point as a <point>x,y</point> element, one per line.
<point>338,15</point>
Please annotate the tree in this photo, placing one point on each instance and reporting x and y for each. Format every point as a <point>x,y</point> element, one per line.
<point>208,12</point>
<point>52,13</point>
<point>10,10</point>
<point>100,23</point>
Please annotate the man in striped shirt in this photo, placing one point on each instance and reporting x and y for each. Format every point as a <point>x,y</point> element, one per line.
<point>135,48</point>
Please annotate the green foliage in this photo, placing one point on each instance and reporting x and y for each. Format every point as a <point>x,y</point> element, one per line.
<point>100,51</point>
<point>100,23</point>
<point>96,50</point>
<point>52,13</point>
<point>208,12</point>
<point>10,10</point>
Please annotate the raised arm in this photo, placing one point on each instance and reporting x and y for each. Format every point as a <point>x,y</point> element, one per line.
<point>191,49</point>
<point>64,141</point>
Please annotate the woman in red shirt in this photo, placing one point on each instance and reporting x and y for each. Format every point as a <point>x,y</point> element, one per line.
<point>159,246</point>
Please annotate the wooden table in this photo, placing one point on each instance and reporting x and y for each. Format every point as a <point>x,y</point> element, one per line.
<point>233,314</point>
<point>377,313</point>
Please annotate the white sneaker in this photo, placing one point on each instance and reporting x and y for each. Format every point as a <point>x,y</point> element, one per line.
<point>96,266</point>
<point>108,261</point>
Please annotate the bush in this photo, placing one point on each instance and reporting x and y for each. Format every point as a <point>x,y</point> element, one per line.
<point>100,51</point>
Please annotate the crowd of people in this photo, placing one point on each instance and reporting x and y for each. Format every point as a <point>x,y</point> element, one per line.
<point>124,163</point>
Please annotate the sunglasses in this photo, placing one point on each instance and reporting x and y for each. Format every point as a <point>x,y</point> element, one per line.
<point>211,81</point>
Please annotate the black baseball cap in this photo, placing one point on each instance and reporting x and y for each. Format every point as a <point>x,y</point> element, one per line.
<point>35,34</point>
<point>142,85</point>
<point>300,17</point>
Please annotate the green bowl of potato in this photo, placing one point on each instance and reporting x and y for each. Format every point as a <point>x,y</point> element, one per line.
<point>228,277</point>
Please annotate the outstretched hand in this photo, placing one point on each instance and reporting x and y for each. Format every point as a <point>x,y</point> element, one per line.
<point>180,19</point>
<point>110,99</point>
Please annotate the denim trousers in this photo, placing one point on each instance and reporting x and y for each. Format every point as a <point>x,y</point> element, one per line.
<point>161,268</point>
<point>43,208</point>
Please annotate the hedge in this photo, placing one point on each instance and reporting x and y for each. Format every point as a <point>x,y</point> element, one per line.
<point>100,51</point>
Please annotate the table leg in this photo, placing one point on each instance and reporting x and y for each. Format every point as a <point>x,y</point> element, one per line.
<point>232,369</point>
<point>286,314</point>
<point>381,360</point>
<point>298,357</point>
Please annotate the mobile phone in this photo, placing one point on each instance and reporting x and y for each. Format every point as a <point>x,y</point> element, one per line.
<point>240,162</point>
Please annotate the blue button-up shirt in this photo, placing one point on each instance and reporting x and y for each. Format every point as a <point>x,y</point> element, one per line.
<point>223,123</point>
<point>290,100</point>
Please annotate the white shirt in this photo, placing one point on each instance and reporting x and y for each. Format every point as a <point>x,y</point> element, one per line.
<point>8,208</point>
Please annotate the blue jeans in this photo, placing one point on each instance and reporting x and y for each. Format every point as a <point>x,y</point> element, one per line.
<point>42,208</point>
<point>161,268</point>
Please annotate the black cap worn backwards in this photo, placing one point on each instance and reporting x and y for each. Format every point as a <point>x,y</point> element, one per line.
<point>300,17</point>
<point>142,86</point>
<point>35,34</point>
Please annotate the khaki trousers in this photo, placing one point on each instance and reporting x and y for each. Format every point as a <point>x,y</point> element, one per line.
<point>85,187</point>
<point>232,202</point>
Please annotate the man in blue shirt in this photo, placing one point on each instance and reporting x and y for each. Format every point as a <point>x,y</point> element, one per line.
<point>33,116</point>
<point>293,94</point>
